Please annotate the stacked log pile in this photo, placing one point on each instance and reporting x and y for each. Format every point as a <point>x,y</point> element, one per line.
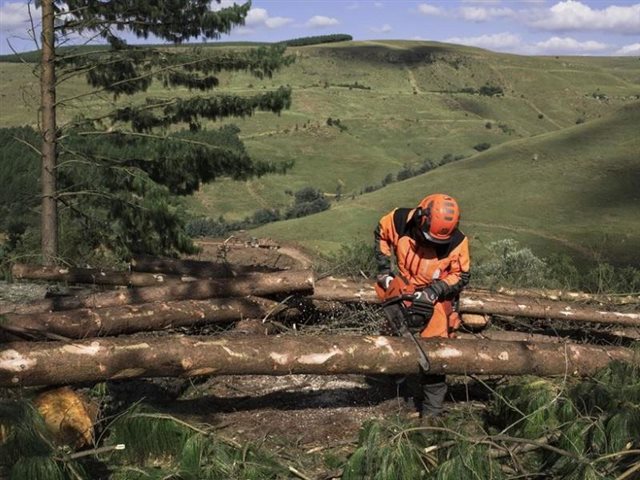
<point>55,341</point>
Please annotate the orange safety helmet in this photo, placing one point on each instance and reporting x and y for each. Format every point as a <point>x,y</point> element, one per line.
<point>437,216</point>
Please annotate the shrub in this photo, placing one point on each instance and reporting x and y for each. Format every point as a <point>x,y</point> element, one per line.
<point>405,173</point>
<point>490,90</point>
<point>511,264</point>
<point>481,147</point>
<point>307,201</point>
<point>488,125</point>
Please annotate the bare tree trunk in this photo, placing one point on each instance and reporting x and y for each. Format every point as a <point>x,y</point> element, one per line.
<point>300,281</point>
<point>509,336</point>
<point>567,296</point>
<point>54,363</point>
<point>519,307</point>
<point>137,318</point>
<point>94,276</point>
<point>49,219</point>
<point>481,302</point>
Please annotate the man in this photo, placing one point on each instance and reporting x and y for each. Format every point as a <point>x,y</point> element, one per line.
<point>432,254</point>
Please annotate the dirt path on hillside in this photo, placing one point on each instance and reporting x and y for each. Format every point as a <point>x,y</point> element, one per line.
<point>567,243</point>
<point>412,80</point>
<point>540,112</point>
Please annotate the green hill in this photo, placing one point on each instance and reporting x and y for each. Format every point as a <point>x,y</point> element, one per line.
<point>576,191</point>
<point>403,102</point>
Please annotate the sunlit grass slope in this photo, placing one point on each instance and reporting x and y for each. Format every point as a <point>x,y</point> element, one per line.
<point>575,191</point>
<point>409,110</point>
<point>556,185</point>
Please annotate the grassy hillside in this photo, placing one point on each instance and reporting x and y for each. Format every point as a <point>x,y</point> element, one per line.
<point>575,191</point>
<point>403,102</point>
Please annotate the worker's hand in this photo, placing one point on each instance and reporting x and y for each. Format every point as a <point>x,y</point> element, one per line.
<point>422,306</point>
<point>384,280</point>
<point>427,295</point>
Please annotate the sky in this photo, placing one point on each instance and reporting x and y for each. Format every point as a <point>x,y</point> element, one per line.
<point>527,27</point>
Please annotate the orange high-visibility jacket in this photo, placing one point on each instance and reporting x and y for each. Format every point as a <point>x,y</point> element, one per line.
<point>419,261</point>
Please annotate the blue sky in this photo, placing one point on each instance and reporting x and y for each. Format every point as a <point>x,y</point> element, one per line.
<point>538,27</point>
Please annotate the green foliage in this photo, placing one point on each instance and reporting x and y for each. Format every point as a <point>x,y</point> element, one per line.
<point>468,460</point>
<point>27,449</point>
<point>317,39</point>
<point>352,260</point>
<point>19,166</point>
<point>490,90</point>
<point>119,172</point>
<point>481,147</point>
<point>307,201</point>
<point>511,264</point>
<point>387,451</point>
<point>159,446</point>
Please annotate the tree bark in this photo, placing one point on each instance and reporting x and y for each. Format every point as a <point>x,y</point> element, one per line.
<point>49,214</point>
<point>137,318</point>
<point>94,276</point>
<point>300,281</point>
<point>482,302</point>
<point>54,363</point>
<point>509,336</point>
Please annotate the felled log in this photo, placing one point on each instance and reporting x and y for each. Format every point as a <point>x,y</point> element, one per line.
<point>481,302</point>
<point>567,296</point>
<point>518,307</point>
<point>94,276</point>
<point>474,321</point>
<point>53,363</point>
<point>292,281</point>
<point>509,336</point>
<point>107,321</point>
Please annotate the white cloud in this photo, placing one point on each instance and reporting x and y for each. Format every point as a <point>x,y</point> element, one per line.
<point>259,17</point>
<point>569,45</point>
<point>386,28</point>
<point>14,17</point>
<point>481,14</point>
<point>633,49</point>
<point>496,41</point>
<point>378,4</point>
<point>426,9</point>
<point>574,15</point>
<point>277,22</point>
<point>320,21</point>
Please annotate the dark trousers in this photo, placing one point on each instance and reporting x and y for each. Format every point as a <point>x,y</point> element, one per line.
<point>434,389</point>
<point>427,392</point>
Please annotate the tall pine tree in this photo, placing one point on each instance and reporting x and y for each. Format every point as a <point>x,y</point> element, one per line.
<point>115,176</point>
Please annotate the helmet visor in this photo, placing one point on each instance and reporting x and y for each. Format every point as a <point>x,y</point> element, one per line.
<point>441,241</point>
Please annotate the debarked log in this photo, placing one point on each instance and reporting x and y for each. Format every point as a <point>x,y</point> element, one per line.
<point>93,360</point>
<point>97,322</point>
<point>533,308</point>
<point>483,302</point>
<point>94,276</point>
<point>291,281</point>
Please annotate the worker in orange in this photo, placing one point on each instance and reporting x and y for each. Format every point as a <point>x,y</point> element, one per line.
<point>432,255</point>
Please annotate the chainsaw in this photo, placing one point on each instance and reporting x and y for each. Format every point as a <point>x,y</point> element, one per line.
<point>397,300</point>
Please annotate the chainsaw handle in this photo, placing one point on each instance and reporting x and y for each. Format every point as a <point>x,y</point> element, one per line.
<point>399,298</point>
